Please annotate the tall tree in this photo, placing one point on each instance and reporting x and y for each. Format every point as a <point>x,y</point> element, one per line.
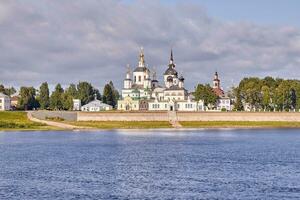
<point>7,91</point>
<point>293,96</point>
<point>27,99</point>
<point>85,92</point>
<point>108,95</point>
<point>206,93</point>
<point>68,96</point>
<point>266,98</point>
<point>238,104</point>
<point>72,90</point>
<point>56,99</point>
<point>44,98</point>
<point>115,91</point>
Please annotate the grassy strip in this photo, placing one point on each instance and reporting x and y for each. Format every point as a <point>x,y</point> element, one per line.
<point>19,121</point>
<point>122,124</point>
<point>234,124</point>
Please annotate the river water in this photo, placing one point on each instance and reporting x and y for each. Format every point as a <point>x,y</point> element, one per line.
<point>202,164</point>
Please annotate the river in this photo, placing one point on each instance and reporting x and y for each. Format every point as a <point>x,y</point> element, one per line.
<point>194,164</point>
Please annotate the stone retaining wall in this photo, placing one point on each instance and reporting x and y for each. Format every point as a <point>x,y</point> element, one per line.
<point>189,116</point>
<point>123,116</point>
<point>66,115</point>
<point>164,116</point>
<point>237,116</point>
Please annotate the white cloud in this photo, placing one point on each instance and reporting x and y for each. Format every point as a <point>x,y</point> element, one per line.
<point>70,40</point>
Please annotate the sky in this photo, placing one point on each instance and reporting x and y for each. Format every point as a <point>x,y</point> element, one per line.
<point>68,41</point>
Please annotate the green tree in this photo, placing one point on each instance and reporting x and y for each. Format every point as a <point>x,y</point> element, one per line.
<point>44,98</point>
<point>56,99</point>
<point>85,92</point>
<point>68,96</point>
<point>238,104</point>
<point>205,93</point>
<point>7,91</point>
<point>250,91</point>
<point>115,92</point>
<point>27,99</point>
<point>266,97</point>
<point>72,90</point>
<point>108,95</point>
<point>293,98</point>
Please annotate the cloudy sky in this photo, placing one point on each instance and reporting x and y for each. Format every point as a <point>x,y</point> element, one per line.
<point>66,41</point>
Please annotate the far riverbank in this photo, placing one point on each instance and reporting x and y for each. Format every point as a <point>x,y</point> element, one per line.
<point>19,121</point>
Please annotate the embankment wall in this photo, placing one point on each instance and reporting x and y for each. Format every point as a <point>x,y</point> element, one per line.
<point>189,116</point>
<point>238,116</point>
<point>66,115</point>
<point>164,116</point>
<point>123,116</point>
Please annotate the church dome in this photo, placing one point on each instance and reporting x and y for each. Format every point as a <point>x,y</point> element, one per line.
<point>141,69</point>
<point>171,71</point>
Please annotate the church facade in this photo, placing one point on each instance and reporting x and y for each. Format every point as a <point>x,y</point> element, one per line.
<point>224,101</point>
<point>142,90</point>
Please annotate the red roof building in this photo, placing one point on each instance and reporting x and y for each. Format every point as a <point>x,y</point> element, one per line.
<point>216,86</point>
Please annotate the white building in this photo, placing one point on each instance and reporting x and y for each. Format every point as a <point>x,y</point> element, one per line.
<point>141,89</point>
<point>4,102</point>
<point>224,102</point>
<point>76,104</point>
<point>93,106</point>
<point>96,106</point>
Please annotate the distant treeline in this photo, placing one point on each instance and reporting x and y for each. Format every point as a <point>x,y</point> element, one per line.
<point>256,94</point>
<point>267,94</point>
<point>61,99</point>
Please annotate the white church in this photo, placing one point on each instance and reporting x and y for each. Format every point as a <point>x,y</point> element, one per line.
<point>140,92</point>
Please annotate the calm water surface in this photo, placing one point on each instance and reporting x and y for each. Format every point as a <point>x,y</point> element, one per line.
<point>203,164</point>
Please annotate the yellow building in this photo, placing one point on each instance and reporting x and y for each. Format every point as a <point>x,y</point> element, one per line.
<point>128,103</point>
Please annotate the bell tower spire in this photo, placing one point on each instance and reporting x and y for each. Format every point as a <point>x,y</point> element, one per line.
<point>171,63</point>
<point>216,81</point>
<point>142,58</point>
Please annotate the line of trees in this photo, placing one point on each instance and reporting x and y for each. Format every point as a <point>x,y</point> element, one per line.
<point>267,94</point>
<point>264,94</point>
<point>61,99</point>
<point>257,94</point>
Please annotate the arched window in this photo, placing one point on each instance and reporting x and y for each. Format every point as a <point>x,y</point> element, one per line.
<point>134,78</point>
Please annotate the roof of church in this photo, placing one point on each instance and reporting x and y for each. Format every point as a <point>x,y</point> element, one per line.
<point>141,69</point>
<point>218,91</point>
<point>96,103</point>
<point>171,71</point>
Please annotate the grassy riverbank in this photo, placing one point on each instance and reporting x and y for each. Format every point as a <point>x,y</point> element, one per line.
<point>239,124</point>
<point>19,121</point>
<point>122,124</point>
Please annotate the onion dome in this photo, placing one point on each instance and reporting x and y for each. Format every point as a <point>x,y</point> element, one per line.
<point>171,68</point>
<point>141,67</point>
<point>171,71</point>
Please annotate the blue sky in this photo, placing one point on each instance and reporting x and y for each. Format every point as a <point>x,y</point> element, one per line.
<point>271,12</point>
<point>268,12</point>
